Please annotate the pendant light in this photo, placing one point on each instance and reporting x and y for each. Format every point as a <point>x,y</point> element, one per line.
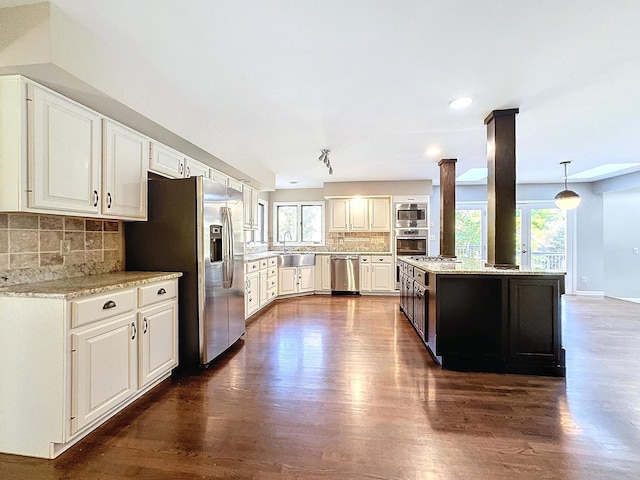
<point>567,199</point>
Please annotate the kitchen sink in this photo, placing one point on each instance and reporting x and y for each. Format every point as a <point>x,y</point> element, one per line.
<point>296,259</point>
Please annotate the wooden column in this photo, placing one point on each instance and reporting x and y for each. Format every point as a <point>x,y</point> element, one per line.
<point>501,188</point>
<point>448,207</point>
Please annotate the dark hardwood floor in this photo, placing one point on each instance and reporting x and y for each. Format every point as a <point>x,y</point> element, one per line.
<point>340,388</point>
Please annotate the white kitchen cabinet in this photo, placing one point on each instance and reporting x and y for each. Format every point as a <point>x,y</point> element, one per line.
<point>157,328</point>
<point>250,199</point>
<point>95,354</point>
<point>236,185</point>
<point>64,157</point>
<point>380,214</point>
<point>166,161</point>
<point>104,369</point>
<point>252,293</point>
<point>322,280</point>
<point>124,172</point>
<point>58,158</point>
<point>264,287</point>
<point>193,168</point>
<point>218,177</point>
<point>377,273</point>
<point>294,280</point>
<point>339,215</point>
<point>360,214</point>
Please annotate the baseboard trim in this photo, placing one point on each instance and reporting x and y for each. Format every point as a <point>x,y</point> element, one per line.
<point>589,293</point>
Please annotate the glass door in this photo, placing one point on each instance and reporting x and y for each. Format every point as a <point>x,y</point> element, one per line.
<point>470,231</point>
<point>541,234</point>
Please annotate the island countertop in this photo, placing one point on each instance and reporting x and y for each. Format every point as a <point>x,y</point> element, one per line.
<point>85,285</point>
<point>471,266</point>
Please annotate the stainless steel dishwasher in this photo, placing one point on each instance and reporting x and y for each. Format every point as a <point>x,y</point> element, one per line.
<point>345,274</point>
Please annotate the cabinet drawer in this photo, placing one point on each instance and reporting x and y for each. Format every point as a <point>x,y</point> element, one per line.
<point>252,266</point>
<point>264,263</point>
<point>272,261</point>
<point>381,259</point>
<point>272,293</point>
<point>272,282</point>
<point>272,272</point>
<point>156,292</point>
<point>99,307</point>
<point>365,259</point>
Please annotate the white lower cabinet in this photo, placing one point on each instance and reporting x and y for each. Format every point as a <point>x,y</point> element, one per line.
<point>294,280</point>
<point>261,284</point>
<point>87,358</point>
<point>104,372</point>
<point>377,273</point>
<point>323,273</point>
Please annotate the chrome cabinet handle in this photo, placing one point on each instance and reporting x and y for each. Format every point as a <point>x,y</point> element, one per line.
<point>108,200</point>
<point>162,291</point>
<point>181,168</point>
<point>188,172</point>
<point>135,331</point>
<point>95,198</point>
<point>109,304</point>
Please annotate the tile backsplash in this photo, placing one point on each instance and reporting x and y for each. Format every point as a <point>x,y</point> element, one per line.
<point>360,242</point>
<point>30,247</point>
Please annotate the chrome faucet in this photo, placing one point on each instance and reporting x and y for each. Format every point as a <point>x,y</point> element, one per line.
<point>284,240</point>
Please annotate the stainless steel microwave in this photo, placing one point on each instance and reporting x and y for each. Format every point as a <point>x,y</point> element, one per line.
<point>411,215</point>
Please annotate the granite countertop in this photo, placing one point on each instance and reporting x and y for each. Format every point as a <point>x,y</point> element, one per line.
<point>274,253</point>
<point>466,266</point>
<point>85,285</point>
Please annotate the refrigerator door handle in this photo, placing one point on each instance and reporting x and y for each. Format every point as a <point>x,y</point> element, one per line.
<point>232,253</point>
<point>227,246</point>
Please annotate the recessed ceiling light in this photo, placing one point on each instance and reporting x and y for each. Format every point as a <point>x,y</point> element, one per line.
<point>462,102</point>
<point>293,183</point>
<point>433,151</point>
<point>473,175</point>
<point>603,170</point>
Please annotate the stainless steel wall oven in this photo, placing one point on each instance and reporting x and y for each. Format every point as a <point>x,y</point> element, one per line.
<point>411,215</point>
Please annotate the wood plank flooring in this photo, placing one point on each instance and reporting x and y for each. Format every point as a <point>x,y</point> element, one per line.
<point>340,388</point>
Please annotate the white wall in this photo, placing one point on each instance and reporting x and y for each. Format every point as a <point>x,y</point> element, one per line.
<point>622,235</point>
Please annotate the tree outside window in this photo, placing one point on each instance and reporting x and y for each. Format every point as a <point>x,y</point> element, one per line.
<point>299,223</point>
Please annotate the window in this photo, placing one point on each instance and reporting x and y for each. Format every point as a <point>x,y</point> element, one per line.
<point>298,223</point>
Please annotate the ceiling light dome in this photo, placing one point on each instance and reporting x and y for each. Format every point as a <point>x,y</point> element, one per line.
<point>567,199</point>
<point>461,102</point>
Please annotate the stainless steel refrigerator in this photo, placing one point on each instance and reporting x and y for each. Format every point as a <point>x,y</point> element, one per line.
<point>195,226</point>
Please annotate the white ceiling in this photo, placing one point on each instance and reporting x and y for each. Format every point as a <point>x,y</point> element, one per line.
<point>273,82</point>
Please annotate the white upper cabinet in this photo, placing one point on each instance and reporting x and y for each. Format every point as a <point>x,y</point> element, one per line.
<point>218,177</point>
<point>166,161</point>
<point>360,214</point>
<point>250,198</point>
<point>125,172</point>
<point>380,214</point>
<point>64,158</point>
<point>193,168</point>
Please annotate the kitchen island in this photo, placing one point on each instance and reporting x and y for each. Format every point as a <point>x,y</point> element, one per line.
<point>476,318</point>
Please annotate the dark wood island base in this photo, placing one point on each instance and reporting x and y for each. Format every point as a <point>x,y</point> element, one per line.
<point>475,318</point>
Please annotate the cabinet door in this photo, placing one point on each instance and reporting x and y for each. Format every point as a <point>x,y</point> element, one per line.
<point>358,215</point>
<point>382,279</point>
<point>252,293</point>
<point>365,277</point>
<point>218,177</point>
<point>166,161</point>
<point>64,154</point>
<point>287,280</point>
<point>379,215</point>
<point>250,199</point>
<point>124,172</point>
<point>193,168</point>
<point>157,330</point>
<point>325,267</point>
<point>305,279</point>
<point>104,369</point>
<point>339,214</point>
<point>264,287</point>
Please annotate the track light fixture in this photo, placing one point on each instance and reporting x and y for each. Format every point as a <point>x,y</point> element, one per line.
<point>324,157</point>
<point>567,199</point>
